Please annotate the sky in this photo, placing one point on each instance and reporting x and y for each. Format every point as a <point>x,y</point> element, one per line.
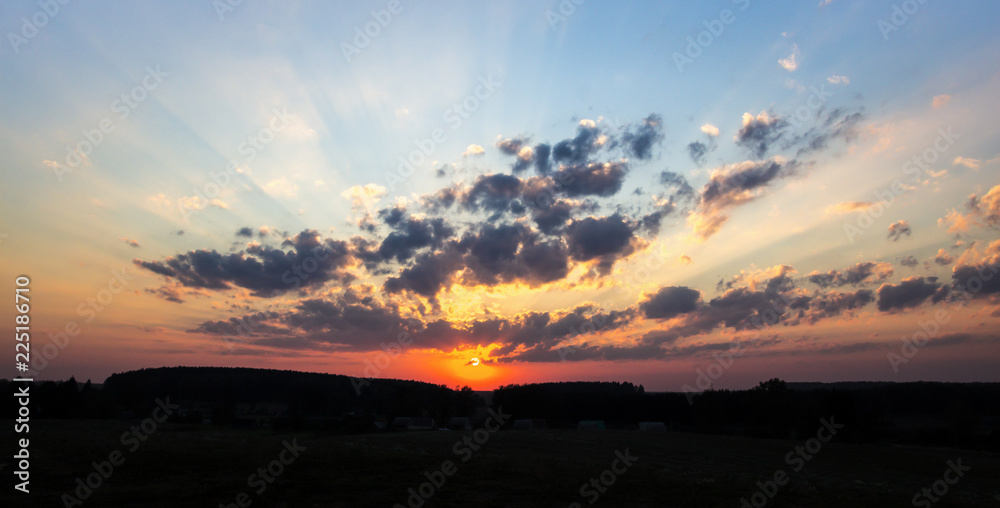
<point>675,194</point>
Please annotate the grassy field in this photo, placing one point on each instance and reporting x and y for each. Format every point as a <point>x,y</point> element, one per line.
<point>206,466</point>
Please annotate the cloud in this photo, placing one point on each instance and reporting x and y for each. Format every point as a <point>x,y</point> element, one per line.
<point>710,129</point>
<point>282,187</point>
<point>542,163</point>
<point>494,193</point>
<point>760,132</point>
<point>792,62</point>
<point>839,80</point>
<point>861,273</point>
<point>833,304</point>
<point>849,206</point>
<point>491,255</point>
<point>639,141</point>
<point>364,197</point>
<point>834,124</point>
<point>898,229</point>
<point>940,101</point>
<point>698,151</point>
<point>967,162</point>
<point>978,273</point>
<point>131,242</point>
<point>982,211</point>
<point>730,187</point>
<point>604,238</point>
<point>413,234</point>
<point>669,302</point>
<point>265,271</point>
<point>519,148</point>
<point>171,292</point>
<point>579,149</point>
<point>943,258</point>
<point>473,151</point>
<point>552,218</point>
<point>909,293</point>
<point>909,261</point>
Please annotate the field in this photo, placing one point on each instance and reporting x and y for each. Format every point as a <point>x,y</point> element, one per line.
<point>207,466</point>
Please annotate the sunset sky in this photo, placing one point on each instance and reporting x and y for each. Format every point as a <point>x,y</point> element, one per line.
<point>603,191</point>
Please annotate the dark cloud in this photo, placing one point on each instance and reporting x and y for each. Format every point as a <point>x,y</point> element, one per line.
<point>495,193</point>
<point>836,124</point>
<point>264,270</point>
<point>980,279</point>
<point>519,148</point>
<point>670,302</point>
<point>861,273</point>
<point>245,232</point>
<point>698,150</point>
<point>170,293</point>
<point>835,303</point>
<point>492,255</point>
<point>511,253</point>
<point>552,218</point>
<point>414,234</point>
<point>759,133</point>
<point>511,146</point>
<point>639,141</point>
<point>606,238</point>
<point>542,163</point>
<point>909,293</point>
<point>392,217</point>
<point>725,188</point>
<point>735,186</point>
<point>898,229</point>
<point>681,188</point>
<point>594,179</point>
<point>578,150</point>
<point>942,258</point>
<point>430,273</point>
<point>909,261</point>
<point>441,200</point>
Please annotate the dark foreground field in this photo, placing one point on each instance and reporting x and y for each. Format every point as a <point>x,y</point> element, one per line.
<point>206,466</point>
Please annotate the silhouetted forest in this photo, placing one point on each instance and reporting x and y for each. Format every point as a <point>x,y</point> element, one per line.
<point>942,414</point>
